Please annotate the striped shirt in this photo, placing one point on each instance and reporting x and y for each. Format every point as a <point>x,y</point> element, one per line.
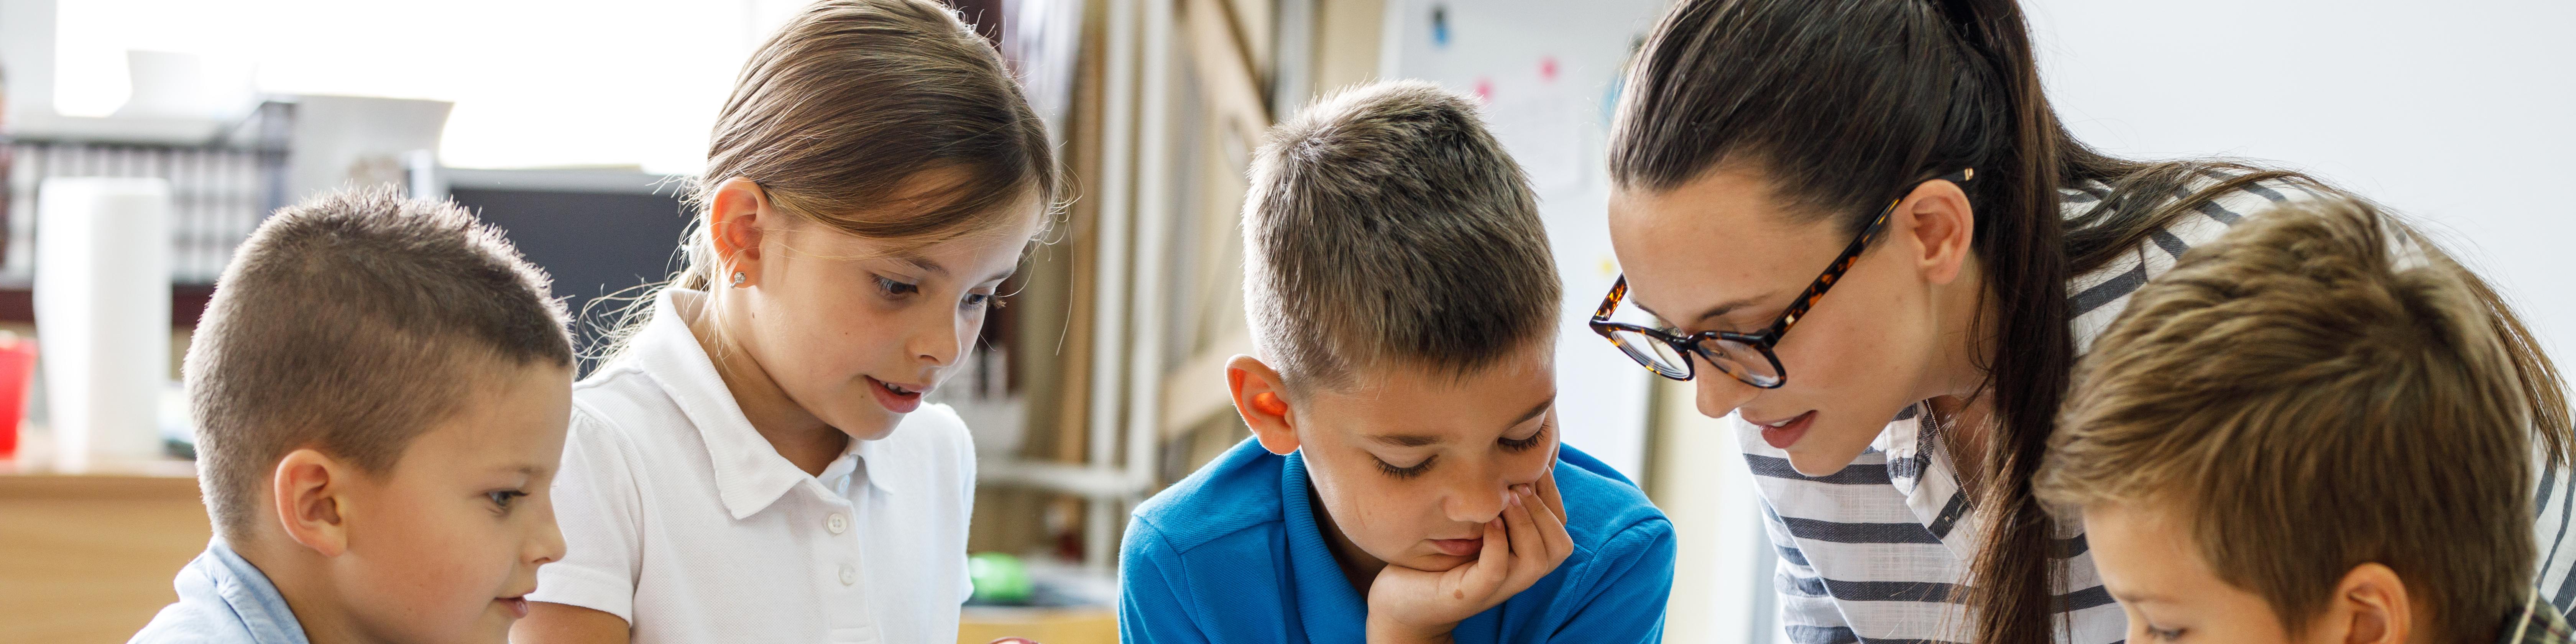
<point>1873,553</point>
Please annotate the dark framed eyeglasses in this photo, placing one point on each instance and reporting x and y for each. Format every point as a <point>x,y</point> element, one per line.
<point>1749,357</point>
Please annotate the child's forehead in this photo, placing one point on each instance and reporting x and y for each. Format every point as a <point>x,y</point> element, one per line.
<point>517,422</point>
<point>1394,407</point>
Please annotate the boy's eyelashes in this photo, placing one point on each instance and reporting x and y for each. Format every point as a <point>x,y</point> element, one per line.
<point>1508,444</point>
<point>502,499</point>
<point>1405,472</point>
<point>1524,444</point>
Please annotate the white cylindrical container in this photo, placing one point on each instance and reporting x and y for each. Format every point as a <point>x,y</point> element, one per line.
<point>102,298</point>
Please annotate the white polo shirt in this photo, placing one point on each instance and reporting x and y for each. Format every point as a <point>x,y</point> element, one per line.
<point>680,518</point>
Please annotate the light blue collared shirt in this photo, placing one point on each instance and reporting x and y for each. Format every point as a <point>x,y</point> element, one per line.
<point>223,600</point>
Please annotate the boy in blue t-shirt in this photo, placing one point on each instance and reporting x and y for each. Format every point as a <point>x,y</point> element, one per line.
<point>1405,483</point>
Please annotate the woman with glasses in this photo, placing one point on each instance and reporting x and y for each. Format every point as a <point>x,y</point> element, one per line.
<point>1859,226</point>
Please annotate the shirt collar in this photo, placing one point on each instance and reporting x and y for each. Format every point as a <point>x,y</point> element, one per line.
<point>750,473</point>
<point>222,575</point>
<point>1329,608</point>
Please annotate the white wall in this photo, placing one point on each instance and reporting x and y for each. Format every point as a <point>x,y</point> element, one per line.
<point>2460,112</point>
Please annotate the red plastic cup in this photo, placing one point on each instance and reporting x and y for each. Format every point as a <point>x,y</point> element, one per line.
<point>17,368</point>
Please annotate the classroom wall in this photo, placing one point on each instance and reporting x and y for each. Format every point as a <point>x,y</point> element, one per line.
<point>2459,112</point>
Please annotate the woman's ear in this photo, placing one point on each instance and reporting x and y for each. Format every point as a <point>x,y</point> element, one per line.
<point>1942,224</point>
<point>736,215</point>
<point>308,490</point>
<point>1258,396</point>
<point>2370,606</point>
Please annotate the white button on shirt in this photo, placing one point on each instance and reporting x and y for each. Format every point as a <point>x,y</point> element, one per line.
<point>681,519</point>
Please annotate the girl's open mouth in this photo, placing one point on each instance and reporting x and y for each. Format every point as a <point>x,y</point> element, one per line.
<point>901,399</point>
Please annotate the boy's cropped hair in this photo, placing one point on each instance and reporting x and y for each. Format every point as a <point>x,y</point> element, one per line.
<point>2319,389</point>
<point>349,324</point>
<point>1386,226</point>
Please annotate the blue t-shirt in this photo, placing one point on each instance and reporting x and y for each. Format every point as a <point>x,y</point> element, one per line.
<point>223,599</point>
<point>1232,554</point>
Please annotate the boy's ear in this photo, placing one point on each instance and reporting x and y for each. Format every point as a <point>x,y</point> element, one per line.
<point>308,489</point>
<point>735,217</point>
<point>2370,606</point>
<point>1261,400</point>
<point>1939,219</point>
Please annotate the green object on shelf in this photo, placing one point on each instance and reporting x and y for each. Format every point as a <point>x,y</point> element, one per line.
<point>999,578</point>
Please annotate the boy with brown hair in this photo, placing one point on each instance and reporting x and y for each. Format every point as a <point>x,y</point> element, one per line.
<point>381,388</point>
<point>2318,429</point>
<point>1405,482</point>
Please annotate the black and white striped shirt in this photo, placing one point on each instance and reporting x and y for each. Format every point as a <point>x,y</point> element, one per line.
<point>1874,552</point>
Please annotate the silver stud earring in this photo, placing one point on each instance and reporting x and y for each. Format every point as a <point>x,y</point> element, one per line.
<point>737,279</point>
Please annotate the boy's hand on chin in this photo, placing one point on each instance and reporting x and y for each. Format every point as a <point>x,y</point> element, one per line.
<point>1526,543</point>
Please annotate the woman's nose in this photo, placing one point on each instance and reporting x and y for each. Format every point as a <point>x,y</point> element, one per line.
<point>1720,394</point>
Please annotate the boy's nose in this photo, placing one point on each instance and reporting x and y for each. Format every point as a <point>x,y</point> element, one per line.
<point>548,545</point>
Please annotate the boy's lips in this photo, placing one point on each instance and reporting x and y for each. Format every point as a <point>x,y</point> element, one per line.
<point>518,606</point>
<point>1781,434</point>
<point>898,397</point>
<point>1459,547</point>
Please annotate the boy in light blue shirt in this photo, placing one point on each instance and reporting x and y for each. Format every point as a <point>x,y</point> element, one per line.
<point>381,388</point>
<point>1405,482</point>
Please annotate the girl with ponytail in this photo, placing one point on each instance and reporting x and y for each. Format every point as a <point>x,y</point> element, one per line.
<point>1971,248</point>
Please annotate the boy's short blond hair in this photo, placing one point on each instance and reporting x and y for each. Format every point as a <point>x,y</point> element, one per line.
<point>1386,226</point>
<point>2319,389</point>
<point>349,324</point>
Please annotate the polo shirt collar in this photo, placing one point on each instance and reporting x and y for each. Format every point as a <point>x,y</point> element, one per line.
<point>221,577</point>
<point>750,474</point>
<point>1329,608</point>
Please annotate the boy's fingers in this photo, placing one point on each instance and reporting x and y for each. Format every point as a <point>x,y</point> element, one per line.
<point>1531,551</point>
<point>1547,490</point>
<point>1551,528</point>
<point>1491,566</point>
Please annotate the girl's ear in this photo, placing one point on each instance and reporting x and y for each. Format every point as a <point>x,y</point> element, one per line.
<point>308,490</point>
<point>2370,606</point>
<point>736,215</point>
<point>1258,396</point>
<point>1942,224</point>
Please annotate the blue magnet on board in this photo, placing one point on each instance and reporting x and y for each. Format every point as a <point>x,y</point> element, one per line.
<point>1439,26</point>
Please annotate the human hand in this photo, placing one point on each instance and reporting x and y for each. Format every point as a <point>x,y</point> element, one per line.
<point>1521,546</point>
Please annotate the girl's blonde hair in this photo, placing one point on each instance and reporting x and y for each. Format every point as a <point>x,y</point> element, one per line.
<point>2319,389</point>
<point>849,100</point>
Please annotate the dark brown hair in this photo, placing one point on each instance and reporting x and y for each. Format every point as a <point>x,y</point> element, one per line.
<point>1384,226</point>
<point>852,97</point>
<point>1846,104</point>
<point>351,323</point>
<point>2324,365</point>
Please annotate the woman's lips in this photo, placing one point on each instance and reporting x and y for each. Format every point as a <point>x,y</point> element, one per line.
<point>902,403</point>
<point>1787,434</point>
<point>1459,547</point>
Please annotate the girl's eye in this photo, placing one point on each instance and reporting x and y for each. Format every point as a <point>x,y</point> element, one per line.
<point>896,289</point>
<point>1405,472</point>
<point>1523,445</point>
<point>502,498</point>
<point>2164,634</point>
<point>979,300</point>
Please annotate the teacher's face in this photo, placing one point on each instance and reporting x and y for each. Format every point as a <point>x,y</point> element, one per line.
<point>1724,253</point>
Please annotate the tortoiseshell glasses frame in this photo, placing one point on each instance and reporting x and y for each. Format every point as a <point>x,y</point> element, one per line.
<point>1749,357</point>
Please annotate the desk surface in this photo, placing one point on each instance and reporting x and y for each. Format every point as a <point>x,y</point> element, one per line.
<point>88,557</point>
